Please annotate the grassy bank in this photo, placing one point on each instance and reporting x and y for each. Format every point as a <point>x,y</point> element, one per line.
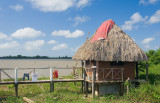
<point>70,92</point>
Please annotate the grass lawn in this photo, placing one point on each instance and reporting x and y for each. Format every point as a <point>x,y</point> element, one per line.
<point>70,92</point>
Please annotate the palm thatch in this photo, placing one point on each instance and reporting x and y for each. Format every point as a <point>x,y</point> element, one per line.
<point>117,47</point>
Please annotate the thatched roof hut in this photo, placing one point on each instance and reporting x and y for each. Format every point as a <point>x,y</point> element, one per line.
<point>117,47</point>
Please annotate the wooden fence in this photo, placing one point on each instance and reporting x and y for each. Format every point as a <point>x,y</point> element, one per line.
<point>16,82</point>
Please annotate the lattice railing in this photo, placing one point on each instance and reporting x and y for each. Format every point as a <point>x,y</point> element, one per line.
<point>106,74</point>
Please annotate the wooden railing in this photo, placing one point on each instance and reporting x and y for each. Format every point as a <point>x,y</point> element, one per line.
<point>17,82</point>
<point>106,74</point>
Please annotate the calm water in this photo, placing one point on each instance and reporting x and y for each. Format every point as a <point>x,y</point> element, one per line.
<point>58,64</point>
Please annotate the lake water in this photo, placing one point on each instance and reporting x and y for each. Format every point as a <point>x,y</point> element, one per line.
<point>58,64</point>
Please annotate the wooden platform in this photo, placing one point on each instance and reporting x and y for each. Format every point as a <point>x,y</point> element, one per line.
<point>42,81</point>
<point>104,82</point>
<point>139,80</point>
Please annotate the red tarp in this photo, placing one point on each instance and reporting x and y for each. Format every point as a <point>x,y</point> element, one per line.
<point>103,30</point>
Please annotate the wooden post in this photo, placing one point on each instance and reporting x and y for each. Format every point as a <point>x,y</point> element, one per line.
<point>122,84</point>
<point>128,80</point>
<point>93,80</point>
<point>16,75</point>
<point>16,89</point>
<point>85,83</point>
<point>87,89</point>
<point>51,80</point>
<point>112,74</point>
<point>0,76</point>
<point>136,70</point>
<point>16,82</point>
<point>34,71</point>
<point>147,71</point>
<point>82,76</point>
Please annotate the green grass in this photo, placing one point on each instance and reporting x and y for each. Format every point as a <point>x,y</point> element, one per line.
<point>71,93</point>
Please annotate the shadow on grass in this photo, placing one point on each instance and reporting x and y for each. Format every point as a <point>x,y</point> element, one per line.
<point>11,99</point>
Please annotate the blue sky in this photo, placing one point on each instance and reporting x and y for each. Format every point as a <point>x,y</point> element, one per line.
<point>60,27</point>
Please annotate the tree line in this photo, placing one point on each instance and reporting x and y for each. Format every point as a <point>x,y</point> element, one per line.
<point>34,57</point>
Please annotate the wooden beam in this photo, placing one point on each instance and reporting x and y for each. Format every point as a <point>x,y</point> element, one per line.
<point>16,82</point>
<point>147,71</point>
<point>51,86</point>
<point>42,81</point>
<point>122,84</point>
<point>136,70</point>
<point>0,76</point>
<point>34,71</point>
<point>82,76</point>
<point>7,75</point>
<point>16,89</point>
<point>87,89</point>
<point>51,80</point>
<point>93,81</point>
<point>16,75</point>
<point>85,83</point>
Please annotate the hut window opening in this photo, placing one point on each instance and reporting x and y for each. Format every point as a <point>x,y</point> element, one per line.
<point>94,63</point>
<point>115,63</point>
<point>87,62</point>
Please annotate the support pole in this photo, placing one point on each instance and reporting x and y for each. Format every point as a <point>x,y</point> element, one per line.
<point>85,83</point>
<point>0,76</point>
<point>87,89</point>
<point>16,89</point>
<point>51,86</point>
<point>136,70</point>
<point>147,71</point>
<point>34,71</point>
<point>93,80</point>
<point>16,82</point>
<point>51,80</point>
<point>128,86</point>
<point>122,84</point>
<point>16,75</point>
<point>82,76</point>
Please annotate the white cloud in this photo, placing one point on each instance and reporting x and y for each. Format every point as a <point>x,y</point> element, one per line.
<point>155,18</point>
<point>60,46</point>
<point>82,3</point>
<point>9,45</point>
<point>134,19</point>
<point>16,7</point>
<point>57,5</point>
<point>147,40</point>
<point>34,45</point>
<point>147,2</point>
<point>146,43</point>
<point>79,20</point>
<point>68,34</point>
<point>4,37</point>
<point>52,5</point>
<point>52,42</point>
<point>27,33</point>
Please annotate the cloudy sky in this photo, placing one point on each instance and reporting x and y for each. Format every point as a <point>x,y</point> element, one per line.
<point>60,27</point>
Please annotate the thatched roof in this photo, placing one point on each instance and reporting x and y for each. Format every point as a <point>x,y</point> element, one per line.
<point>117,47</point>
